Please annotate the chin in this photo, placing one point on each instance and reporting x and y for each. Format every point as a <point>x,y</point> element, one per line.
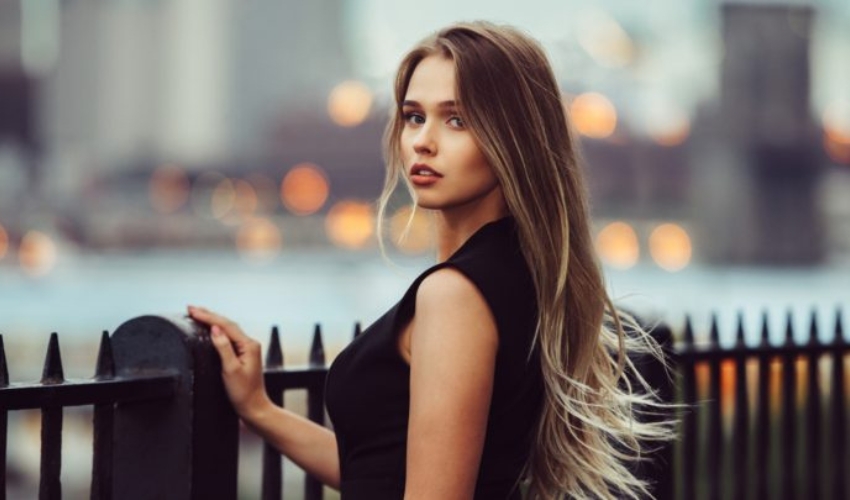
<point>430,204</point>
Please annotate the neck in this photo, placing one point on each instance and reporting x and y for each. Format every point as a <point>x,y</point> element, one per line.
<point>455,226</point>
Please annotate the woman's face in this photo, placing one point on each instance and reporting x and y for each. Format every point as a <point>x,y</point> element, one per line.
<point>441,159</point>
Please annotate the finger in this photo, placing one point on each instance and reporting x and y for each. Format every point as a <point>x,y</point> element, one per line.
<point>206,315</point>
<point>229,360</point>
<point>229,328</point>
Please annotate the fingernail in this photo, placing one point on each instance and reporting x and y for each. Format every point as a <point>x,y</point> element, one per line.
<point>215,331</point>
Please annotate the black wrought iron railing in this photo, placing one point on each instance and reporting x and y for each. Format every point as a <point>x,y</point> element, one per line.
<point>765,421</point>
<point>759,421</point>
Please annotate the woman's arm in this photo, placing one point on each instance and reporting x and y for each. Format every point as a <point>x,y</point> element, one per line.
<point>306,443</point>
<point>452,346</point>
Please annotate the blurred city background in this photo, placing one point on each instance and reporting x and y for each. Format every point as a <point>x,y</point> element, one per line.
<point>155,154</point>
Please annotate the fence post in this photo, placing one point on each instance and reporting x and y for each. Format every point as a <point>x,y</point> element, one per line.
<point>657,469</point>
<point>185,447</point>
<point>659,375</point>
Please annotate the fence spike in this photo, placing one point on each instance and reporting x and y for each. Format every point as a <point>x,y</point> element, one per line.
<point>105,369</point>
<point>813,327</point>
<point>714,335</point>
<point>689,331</point>
<point>4,369</point>
<point>765,331</point>
<point>357,330</point>
<point>53,373</point>
<point>317,350</point>
<point>739,335</point>
<point>274,354</point>
<point>839,328</point>
<point>789,328</point>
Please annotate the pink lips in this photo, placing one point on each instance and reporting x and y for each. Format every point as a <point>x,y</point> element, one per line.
<point>423,175</point>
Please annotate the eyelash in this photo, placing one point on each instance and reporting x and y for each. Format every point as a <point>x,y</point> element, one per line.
<point>407,116</point>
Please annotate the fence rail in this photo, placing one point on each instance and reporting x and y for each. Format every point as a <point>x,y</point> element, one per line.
<point>163,426</point>
<point>741,415</point>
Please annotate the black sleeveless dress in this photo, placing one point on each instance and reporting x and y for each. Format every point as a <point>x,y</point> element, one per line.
<point>368,384</point>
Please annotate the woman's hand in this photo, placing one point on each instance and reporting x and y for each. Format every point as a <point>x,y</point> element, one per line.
<point>241,364</point>
<point>308,444</point>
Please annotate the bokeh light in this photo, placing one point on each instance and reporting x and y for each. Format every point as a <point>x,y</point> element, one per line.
<point>349,103</point>
<point>350,224</point>
<point>670,247</point>
<point>304,189</point>
<point>266,190</point>
<point>223,198</point>
<point>37,253</point>
<point>203,189</point>
<point>168,189</point>
<point>838,150</point>
<point>673,135</point>
<point>836,132</point>
<point>617,245</point>
<point>245,201</point>
<point>4,242</point>
<point>411,235</point>
<point>602,37</point>
<point>258,239</point>
<point>593,115</point>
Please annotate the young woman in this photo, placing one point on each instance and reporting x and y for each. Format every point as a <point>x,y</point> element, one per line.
<point>505,361</point>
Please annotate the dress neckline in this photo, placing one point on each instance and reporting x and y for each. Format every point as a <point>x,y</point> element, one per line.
<point>506,221</point>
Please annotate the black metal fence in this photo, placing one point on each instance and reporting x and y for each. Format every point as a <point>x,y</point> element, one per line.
<point>766,421</point>
<point>163,427</point>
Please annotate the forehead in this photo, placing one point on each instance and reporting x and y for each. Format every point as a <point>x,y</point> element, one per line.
<point>432,81</point>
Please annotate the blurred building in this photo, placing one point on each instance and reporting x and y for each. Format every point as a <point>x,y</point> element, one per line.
<point>106,93</point>
<point>757,165</point>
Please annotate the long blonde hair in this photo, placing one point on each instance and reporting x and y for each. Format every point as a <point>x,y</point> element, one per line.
<point>510,101</point>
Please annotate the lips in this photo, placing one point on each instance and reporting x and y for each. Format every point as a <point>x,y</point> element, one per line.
<point>422,175</point>
<point>423,170</point>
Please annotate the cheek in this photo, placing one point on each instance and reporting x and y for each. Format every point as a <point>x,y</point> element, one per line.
<point>475,159</point>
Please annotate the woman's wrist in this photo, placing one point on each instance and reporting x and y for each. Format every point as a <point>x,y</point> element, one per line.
<point>254,411</point>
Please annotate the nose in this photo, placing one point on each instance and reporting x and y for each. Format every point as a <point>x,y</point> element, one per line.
<point>424,142</point>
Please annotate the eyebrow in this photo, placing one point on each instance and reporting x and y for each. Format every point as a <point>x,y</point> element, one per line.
<point>443,104</point>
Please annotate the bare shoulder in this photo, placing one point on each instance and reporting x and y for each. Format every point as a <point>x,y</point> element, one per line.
<point>447,286</point>
<point>450,315</point>
<point>448,298</point>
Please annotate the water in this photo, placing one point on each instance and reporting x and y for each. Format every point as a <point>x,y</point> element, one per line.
<point>86,294</point>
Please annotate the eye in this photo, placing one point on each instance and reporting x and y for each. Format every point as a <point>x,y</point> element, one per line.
<point>457,121</point>
<point>413,118</point>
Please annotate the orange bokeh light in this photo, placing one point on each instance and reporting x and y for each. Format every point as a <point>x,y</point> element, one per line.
<point>202,193</point>
<point>168,189</point>
<point>837,147</point>
<point>350,224</point>
<point>617,245</point>
<point>259,239</point>
<point>37,253</point>
<point>349,103</point>
<point>304,189</point>
<point>266,190</point>
<point>593,115</point>
<point>670,247</point>
<point>223,198</point>
<point>245,202</point>
<point>4,242</point>
<point>836,131</point>
<point>411,235</point>
<point>672,136</point>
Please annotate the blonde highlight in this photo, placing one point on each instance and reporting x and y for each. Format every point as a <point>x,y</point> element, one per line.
<point>589,429</point>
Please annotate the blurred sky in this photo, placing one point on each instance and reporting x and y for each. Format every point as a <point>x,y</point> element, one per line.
<point>207,75</point>
<point>680,39</point>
